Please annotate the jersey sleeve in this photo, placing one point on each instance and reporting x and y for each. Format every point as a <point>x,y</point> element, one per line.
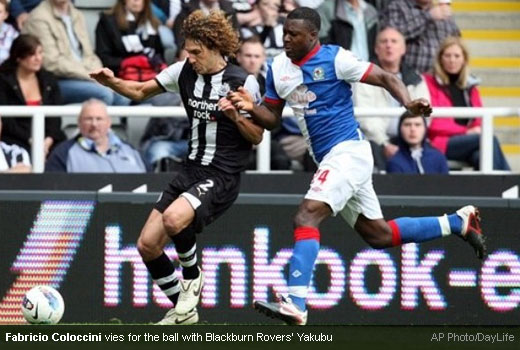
<point>350,68</point>
<point>271,96</point>
<point>168,79</point>
<point>251,85</point>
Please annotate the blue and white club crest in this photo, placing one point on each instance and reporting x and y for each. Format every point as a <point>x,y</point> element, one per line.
<point>318,73</point>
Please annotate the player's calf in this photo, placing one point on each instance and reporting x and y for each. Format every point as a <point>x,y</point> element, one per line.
<point>377,233</point>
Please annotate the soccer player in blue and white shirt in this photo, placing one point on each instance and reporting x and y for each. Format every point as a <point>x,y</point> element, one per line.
<point>316,82</point>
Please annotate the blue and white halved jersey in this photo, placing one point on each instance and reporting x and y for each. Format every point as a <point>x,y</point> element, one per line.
<point>318,90</point>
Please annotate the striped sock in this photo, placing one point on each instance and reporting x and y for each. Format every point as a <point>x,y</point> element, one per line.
<point>186,246</point>
<point>163,274</point>
<point>305,252</point>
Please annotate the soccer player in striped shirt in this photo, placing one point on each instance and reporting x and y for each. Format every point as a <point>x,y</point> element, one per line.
<point>219,146</point>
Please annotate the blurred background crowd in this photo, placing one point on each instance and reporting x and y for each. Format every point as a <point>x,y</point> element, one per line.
<point>48,47</point>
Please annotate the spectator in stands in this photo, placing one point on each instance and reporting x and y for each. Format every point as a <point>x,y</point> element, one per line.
<point>292,144</point>
<point>128,30</point>
<point>451,85</point>
<point>205,6</point>
<point>68,53</point>
<point>166,11</point>
<point>247,14</point>
<point>415,155</point>
<point>251,56</point>
<point>96,149</point>
<point>389,49</point>
<point>24,82</point>
<point>20,10</point>
<point>7,32</point>
<point>165,143</point>
<point>13,159</point>
<point>270,30</point>
<point>424,26</point>
<point>351,24</point>
<point>128,42</point>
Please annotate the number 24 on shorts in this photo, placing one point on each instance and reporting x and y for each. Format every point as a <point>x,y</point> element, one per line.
<point>320,175</point>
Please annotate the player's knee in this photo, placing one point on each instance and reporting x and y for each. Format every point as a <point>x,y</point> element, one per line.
<point>300,219</point>
<point>307,215</point>
<point>147,249</point>
<point>172,222</point>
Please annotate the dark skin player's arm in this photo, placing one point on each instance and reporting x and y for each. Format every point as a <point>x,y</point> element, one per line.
<point>397,89</point>
<point>268,115</point>
<point>247,128</point>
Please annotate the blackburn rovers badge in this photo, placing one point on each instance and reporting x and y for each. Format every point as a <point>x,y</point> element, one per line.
<point>318,73</point>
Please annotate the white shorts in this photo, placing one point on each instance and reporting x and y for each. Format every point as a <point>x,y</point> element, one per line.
<point>344,181</point>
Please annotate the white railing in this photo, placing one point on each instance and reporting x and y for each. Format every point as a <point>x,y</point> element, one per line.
<point>39,113</point>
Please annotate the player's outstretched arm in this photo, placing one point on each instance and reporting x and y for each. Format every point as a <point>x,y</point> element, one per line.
<point>267,115</point>
<point>395,86</point>
<point>247,128</point>
<point>134,90</point>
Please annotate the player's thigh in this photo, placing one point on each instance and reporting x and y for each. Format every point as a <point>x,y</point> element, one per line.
<point>153,236</point>
<point>364,202</point>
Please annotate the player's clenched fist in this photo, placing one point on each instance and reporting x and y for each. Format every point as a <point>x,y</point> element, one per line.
<point>242,99</point>
<point>420,106</point>
<point>103,76</point>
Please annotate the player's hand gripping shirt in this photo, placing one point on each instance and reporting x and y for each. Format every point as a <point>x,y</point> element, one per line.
<point>214,139</point>
<point>318,90</point>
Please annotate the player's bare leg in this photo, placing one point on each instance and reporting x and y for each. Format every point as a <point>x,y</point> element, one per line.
<point>153,237</point>
<point>158,230</point>
<point>377,233</point>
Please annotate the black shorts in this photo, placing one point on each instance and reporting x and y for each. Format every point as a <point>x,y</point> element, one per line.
<point>210,192</point>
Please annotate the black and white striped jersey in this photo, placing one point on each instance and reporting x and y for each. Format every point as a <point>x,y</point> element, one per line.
<point>214,139</point>
<point>11,155</point>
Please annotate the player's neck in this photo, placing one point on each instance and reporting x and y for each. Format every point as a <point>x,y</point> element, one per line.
<point>220,63</point>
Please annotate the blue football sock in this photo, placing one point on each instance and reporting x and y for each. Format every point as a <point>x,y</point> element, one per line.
<point>407,230</point>
<point>302,262</point>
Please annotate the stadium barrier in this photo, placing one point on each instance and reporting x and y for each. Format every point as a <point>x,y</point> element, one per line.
<point>83,243</point>
<point>39,113</point>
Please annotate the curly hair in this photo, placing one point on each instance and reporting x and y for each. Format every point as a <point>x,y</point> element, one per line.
<point>213,31</point>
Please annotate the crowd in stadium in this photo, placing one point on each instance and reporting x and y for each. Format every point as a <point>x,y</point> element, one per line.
<point>46,55</point>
